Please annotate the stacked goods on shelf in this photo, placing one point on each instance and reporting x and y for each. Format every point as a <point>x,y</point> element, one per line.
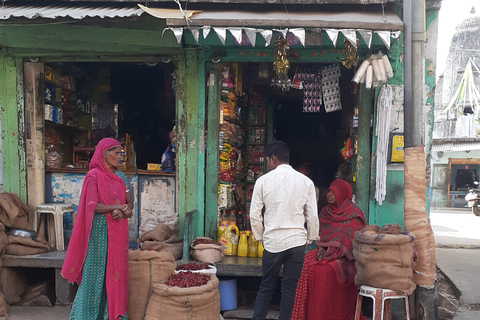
<point>256,140</point>
<point>231,139</point>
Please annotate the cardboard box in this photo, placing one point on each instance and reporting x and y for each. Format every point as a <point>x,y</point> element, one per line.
<point>154,166</point>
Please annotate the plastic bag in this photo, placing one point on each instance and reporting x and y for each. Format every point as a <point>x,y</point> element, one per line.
<point>168,160</point>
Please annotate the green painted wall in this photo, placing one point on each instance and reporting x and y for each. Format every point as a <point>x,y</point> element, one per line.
<point>12,117</point>
<point>75,39</point>
<point>391,211</point>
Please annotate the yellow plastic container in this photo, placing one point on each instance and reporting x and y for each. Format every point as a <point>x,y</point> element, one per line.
<point>230,240</point>
<point>260,249</point>
<point>242,250</point>
<point>252,246</point>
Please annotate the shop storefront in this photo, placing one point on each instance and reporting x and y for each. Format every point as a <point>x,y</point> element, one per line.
<point>244,109</point>
<point>84,79</point>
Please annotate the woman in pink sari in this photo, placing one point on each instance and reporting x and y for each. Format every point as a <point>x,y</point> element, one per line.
<point>97,255</point>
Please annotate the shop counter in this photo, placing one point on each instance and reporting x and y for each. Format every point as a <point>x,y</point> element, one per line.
<point>153,195</point>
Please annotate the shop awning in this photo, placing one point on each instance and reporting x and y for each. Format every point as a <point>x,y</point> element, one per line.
<point>297,20</point>
<point>356,18</point>
<point>52,10</point>
<point>456,146</point>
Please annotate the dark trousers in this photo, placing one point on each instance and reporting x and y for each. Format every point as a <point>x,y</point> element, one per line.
<point>292,261</point>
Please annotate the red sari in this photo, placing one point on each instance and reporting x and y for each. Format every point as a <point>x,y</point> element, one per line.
<point>326,289</point>
<point>111,191</point>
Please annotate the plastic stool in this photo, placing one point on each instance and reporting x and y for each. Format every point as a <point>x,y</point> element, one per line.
<point>55,234</point>
<point>381,306</point>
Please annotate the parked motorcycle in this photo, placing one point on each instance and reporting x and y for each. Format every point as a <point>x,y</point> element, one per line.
<point>473,199</point>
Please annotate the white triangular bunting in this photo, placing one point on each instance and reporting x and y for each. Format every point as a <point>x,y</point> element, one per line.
<point>178,32</point>
<point>206,31</point>
<point>221,33</point>
<point>236,33</point>
<point>195,33</point>
<point>333,35</point>
<point>283,32</point>
<point>299,33</point>
<point>385,36</point>
<point>267,35</point>
<point>366,36</point>
<point>251,35</point>
<point>351,36</point>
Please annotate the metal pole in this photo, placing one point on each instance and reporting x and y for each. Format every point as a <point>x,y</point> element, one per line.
<point>407,75</point>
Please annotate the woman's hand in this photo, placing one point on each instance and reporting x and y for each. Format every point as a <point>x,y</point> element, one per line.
<point>128,213</point>
<point>117,214</point>
<point>320,253</point>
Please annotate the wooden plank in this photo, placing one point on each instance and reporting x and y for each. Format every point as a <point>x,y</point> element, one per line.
<point>211,170</point>
<point>362,191</point>
<point>34,133</point>
<point>201,114</point>
<point>12,115</point>
<point>192,120</point>
<point>181,158</point>
<point>464,161</point>
<point>340,24</point>
<point>188,139</point>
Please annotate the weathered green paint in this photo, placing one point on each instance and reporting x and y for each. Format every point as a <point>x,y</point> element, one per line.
<point>181,157</point>
<point>12,117</point>
<point>211,170</point>
<point>188,139</point>
<point>296,54</point>
<point>74,39</point>
<point>362,184</point>
<point>395,56</point>
<point>201,113</point>
<point>391,211</point>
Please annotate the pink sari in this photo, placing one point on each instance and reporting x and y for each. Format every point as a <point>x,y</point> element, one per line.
<point>111,190</point>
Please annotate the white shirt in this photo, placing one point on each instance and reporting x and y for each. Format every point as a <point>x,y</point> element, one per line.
<point>289,200</point>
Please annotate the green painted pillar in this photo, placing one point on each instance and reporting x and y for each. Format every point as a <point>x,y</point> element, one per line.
<point>190,117</point>
<point>12,118</point>
<point>362,184</point>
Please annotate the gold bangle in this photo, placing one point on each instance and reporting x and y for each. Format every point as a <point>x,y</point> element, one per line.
<point>126,207</point>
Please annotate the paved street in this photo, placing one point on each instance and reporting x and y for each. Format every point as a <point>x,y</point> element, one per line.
<point>458,255</point>
<point>455,228</point>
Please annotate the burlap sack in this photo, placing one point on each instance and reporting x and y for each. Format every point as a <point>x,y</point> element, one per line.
<point>145,269</point>
<point>384,260</point>
<point>162,239</point>
<point>3,307</point>
<point>3,238</point>
<point>185,303</point>
<point>19,246</point>
<point>208,253</point>
<point>13,212</point>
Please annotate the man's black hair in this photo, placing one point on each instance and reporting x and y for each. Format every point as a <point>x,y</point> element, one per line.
<point>279,149</point>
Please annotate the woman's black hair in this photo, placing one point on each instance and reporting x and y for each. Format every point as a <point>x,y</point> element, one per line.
<point>279,149</point>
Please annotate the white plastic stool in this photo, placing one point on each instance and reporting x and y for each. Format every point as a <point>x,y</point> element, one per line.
<point>381,306</point>
<point>55,234</point>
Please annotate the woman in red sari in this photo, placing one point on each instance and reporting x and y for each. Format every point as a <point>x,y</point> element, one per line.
<point>97,255</point>
<point>326,289</point>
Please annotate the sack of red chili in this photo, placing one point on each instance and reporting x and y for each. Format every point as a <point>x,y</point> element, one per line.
<point>175,302</point>
<point>146,268</point>
<point>206,250</point>
<point>196,267</point>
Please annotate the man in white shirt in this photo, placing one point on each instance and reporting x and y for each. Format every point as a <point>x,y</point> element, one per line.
<point>289,201</point>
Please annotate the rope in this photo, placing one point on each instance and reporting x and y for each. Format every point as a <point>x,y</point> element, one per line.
<point>382,132</point>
